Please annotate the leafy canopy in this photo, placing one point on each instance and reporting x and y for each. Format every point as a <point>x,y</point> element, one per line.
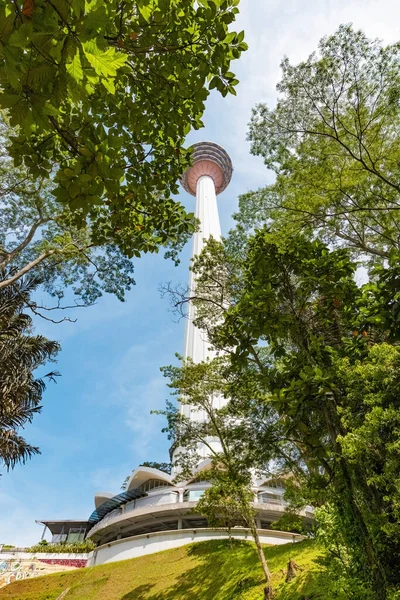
<point>311,372</point>
<point>38,237</point>
<point>332,141</point>
<point>213,432</point>
<point>103,94</point>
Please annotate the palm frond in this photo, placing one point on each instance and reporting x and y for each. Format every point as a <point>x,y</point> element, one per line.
<point>21,353</point>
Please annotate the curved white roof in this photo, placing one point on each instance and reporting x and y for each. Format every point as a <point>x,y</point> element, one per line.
<point>101,497</point>
<point>142,474</point>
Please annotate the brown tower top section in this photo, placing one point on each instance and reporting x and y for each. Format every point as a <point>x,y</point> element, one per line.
<point>208,159</point>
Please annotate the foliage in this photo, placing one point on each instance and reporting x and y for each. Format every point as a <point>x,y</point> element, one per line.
<point>332,142</point>
<point>303,339</point>
<point>63,547</point>
<point>163,466</point>
<point>210,431</point>
<point>289,521</point>
<point>227,503</point>
<point>21,354</point>
<point>213,570</point>
<point>103,96</point>
<point>38,236</point>
<point>125,483</point>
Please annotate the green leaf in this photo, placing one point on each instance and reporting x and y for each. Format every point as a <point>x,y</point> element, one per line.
<point>51,110</point>
<point>78,7</point>
<point>6,24</point>
<point>108,84</point>
<point>104,63</point>
<point>74,68</point>
<point>17,39</point>
<point>230,37</point>
<point>215,81</point>
<point>8,100</point>
<point>145,11</point>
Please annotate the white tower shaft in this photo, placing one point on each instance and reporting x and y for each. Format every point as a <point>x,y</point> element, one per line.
<point>208,176</point>
<point>197,346</point>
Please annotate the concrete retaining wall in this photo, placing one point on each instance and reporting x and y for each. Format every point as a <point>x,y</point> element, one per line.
<point>10,555</point>
<point>140,545</point>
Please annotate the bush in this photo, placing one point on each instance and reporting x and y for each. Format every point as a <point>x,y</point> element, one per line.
<point>289,521</point>
<point>73,547</point>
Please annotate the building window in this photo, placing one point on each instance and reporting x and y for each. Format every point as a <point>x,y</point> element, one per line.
<point>152,484</point>
<point>192,495</point>
<point>76,535</point>
<point>266,498</point>
<point>278,484</point>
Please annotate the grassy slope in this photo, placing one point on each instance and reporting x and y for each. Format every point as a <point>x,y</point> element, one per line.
<point>207,571</point>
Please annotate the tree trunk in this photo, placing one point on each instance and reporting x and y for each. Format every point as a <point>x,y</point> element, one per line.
<point>377,570</point>
<point>372,558</point>
<point>292,569</point>
<point>268,591</point>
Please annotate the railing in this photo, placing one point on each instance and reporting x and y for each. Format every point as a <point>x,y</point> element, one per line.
<point>171,498</point>
<point>147,501</point>
<point>277,501</point>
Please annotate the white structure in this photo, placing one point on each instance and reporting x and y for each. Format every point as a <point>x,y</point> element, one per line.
<point>155,513</point>
<point>210,175</point>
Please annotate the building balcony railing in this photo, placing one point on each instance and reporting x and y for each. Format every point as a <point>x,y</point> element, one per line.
<point>135,505</point>
<point>262,502</point>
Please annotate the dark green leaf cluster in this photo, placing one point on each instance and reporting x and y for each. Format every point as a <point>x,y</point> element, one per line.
<point>38,236</point>
<point>312,375</point>
<point>332,140</point>
<point>103,95</point>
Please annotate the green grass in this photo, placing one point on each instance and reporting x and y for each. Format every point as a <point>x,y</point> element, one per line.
<point>213,570</point>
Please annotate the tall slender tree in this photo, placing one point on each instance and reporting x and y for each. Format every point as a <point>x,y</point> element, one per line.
<point>21,354</point>
<point>228,501</point>
<point>332,141</point>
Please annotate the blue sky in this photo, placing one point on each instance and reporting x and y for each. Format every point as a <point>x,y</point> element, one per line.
<point>96,426</point>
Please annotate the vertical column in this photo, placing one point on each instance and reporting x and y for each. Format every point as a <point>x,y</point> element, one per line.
<point>196,345</point>
<point>208,176</point>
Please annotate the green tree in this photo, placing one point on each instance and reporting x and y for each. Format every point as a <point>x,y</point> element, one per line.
<point>38,237</point>
<point>332,142</point>
<point>228,501</point>
<point>303,339</point>
<point>103,96</point>
<point>21,354</point>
